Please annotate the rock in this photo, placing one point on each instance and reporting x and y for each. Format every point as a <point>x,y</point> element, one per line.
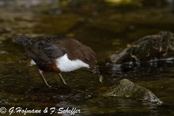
<point>126,88</point>
<point>153,47</point>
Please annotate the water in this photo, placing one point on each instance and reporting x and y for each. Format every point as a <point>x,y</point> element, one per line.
<point>104,26</point>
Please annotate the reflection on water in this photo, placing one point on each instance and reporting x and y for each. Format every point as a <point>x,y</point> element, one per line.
<point>141,70</point>
<point>105,28</point>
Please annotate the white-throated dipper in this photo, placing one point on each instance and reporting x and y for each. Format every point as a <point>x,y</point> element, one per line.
<point>59,54</point>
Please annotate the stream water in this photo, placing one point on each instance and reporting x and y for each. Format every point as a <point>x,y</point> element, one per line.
<point>104,25</point>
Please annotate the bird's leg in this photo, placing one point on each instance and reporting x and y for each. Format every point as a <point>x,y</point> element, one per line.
<point>62,78</point>
<point>41,73</point>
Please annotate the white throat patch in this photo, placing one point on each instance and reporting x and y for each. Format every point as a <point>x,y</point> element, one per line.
<point>66,65</point>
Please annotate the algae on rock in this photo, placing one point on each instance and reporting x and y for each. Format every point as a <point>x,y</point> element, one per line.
<point>126,88</point>
<point>153,47</point>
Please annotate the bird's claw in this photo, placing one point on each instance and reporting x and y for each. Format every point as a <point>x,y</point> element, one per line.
<point>49,86</point>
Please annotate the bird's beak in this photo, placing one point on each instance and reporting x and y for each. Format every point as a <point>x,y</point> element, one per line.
<point>96,71</point>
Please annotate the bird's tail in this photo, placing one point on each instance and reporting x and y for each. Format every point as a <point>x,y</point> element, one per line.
<point>24,40</point>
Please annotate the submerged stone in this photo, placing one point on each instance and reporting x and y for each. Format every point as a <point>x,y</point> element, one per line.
<point>153,47</point>
<point>126,88</point>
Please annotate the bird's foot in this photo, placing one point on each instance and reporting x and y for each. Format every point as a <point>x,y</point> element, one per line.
<point>48,86</point>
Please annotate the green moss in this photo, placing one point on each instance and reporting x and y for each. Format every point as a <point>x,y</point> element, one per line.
<point>125,2</point>
<point>126,88</point>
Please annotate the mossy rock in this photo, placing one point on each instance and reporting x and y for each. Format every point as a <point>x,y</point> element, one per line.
<point>152,47</point>
<point>126,88</point>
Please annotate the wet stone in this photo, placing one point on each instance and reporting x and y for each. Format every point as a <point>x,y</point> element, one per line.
<point>148,48</point>
<point>126,88</point>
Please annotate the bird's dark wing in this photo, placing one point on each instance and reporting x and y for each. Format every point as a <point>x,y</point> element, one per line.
<point>44,52</point>
<point>52,51</point>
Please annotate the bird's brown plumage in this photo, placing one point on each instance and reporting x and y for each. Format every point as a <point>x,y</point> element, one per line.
<point>48,54</point>
<point>44,52</point>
